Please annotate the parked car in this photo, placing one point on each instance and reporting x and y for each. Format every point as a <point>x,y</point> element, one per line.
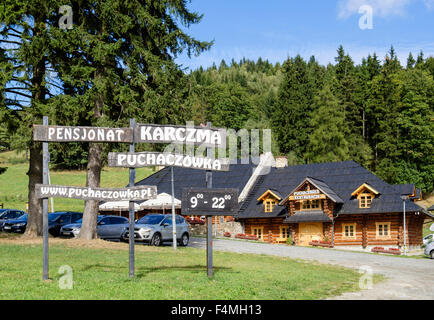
<point>157,228</point>
<point>16,225</point>
<point>429,250</point>
<point>57,220</point>
<point>108,227</point>
<point>428,239</point>
<point>9,214</point>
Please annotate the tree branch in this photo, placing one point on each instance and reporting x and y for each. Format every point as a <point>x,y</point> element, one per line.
<point>11,42</point>
<point>19,93</point>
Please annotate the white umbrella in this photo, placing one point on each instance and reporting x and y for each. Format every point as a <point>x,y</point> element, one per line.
<point>117,206</point>
<point>162,201</point>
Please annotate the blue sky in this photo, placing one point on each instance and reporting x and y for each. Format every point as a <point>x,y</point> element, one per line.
<point>276,29</point>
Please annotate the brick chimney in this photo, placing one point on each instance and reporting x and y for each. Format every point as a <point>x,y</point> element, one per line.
<point>281,161</point>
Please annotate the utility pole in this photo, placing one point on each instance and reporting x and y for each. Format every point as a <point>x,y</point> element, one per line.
<point>404,198</point>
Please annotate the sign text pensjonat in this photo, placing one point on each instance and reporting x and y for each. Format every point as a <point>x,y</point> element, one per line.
<point>148,133</point>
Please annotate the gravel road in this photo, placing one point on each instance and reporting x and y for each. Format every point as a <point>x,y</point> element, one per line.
<point>407,278</point>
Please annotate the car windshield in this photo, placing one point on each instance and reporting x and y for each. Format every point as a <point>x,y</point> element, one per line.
<point>81,220</point>
<point>23,217</point>
<point>12,215</point>
<point>54,216</point>
<point>150,219</point>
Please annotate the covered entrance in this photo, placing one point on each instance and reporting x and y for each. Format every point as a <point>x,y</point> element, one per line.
<point>310,231</point>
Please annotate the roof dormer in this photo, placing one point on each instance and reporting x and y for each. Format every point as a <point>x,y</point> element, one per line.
<point>270,199</point>
<point>365,194</point>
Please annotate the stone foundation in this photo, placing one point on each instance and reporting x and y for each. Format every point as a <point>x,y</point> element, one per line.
<point>232,227</point>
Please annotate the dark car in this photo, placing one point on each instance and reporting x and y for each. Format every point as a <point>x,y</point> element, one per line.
<point>9,214</point>
<point>17,225</point>
<point>57,220</point>
<point>108,227</point>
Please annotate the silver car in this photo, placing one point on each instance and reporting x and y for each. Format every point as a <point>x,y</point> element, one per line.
<point>108,227</point>
<point>429,249</point>
<point>157,228</point>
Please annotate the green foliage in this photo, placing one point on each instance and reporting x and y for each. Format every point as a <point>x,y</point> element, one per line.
<point>327,142</point>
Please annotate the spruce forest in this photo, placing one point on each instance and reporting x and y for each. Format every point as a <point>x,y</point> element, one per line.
<point>379,113</point>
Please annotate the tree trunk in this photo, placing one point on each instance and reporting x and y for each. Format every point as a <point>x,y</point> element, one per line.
<point>93,177</point>
<point>89,227</point>
<point>34,223</point>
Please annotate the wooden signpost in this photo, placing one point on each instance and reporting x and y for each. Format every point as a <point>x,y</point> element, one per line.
<point>148,133</point>
<point>81,134</point>
<point>147,159</point>
<point>204,136</point>
<point>46,133</point>
<point>138,193</point>
<point>209,202</point>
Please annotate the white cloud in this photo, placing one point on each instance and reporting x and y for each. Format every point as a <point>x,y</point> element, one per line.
<point>429,4</point>
<point>380,8</point>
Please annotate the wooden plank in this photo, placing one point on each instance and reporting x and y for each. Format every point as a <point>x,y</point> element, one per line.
<point>204,136</point>
<point>146,159</point>
<point>138,193</point>
<point>209,202</point>
<point>81,134</point>
<point>308,197</point>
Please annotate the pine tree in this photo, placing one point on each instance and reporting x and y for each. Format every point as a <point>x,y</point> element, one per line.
<point>125,68</point>
<point>328,140</point>
<point>293,109</point>
<point>410,61</point>
<point>24,29</point>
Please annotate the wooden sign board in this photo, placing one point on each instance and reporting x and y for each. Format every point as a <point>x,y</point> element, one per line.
<point>146,159</point>
<point>209,202</point>
<point>302,193</point>
<point>138,193</point>
<point>308,197</point>
<point>207,137</point>
<point>81,134</point>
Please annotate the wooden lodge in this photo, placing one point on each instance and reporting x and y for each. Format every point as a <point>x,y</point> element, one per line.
<point>334,204</point>
<point>337,204</point>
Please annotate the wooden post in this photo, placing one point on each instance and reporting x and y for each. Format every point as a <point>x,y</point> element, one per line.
<point>131,212</point>
<point>173,209</point>
<point>209,220</point>
<point>45,205</point>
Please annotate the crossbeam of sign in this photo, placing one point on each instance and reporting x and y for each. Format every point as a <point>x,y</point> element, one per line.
<point>138,193</point>
<point>207,137</point>
<point>209,202</point>
<point>146,159</point>
<point>81,134</point>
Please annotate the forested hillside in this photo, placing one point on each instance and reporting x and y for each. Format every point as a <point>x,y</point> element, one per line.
<point>378,113</point>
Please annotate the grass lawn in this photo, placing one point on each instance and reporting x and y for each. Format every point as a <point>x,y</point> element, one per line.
<point>100,271</point>
<point>14,182</point>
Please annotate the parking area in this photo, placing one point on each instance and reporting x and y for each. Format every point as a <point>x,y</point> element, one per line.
<point>407,278</point>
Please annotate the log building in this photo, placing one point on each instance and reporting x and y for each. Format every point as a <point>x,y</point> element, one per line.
<point>340,203</point>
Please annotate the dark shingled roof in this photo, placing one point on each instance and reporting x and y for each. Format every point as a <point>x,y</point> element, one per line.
<point>236,177</point>
<point>341,178</point>
<point>405,189</point>
<point>308,216</point>
<point>323,187</point>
